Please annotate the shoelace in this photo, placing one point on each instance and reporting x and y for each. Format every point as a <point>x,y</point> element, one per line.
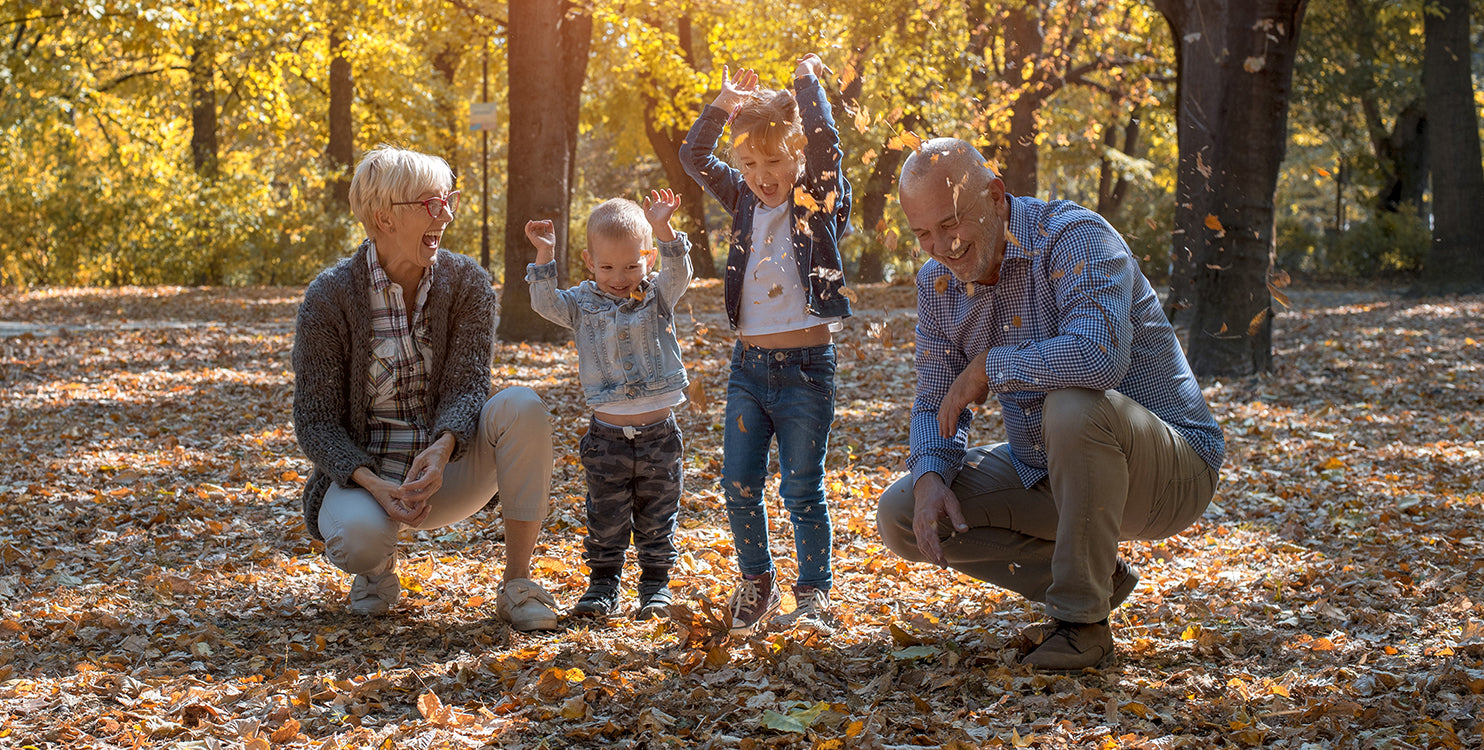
<point>746,595</point>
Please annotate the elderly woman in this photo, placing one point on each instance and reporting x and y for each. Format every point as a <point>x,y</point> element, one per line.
<point>392,395</point>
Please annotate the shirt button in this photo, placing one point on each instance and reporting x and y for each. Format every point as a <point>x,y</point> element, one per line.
<point>628,365</point>
<point>623,334</point>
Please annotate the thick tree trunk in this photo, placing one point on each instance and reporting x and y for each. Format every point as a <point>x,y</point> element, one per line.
<point>204,154</point>
<point>1236,68</point>
<point>341,148</point>
<point>542,137</point>
<point>666,143</point>
<point>873,202</point>
<point>1024,40</point>
<point>1456,261</point>
<point>1406,160</point>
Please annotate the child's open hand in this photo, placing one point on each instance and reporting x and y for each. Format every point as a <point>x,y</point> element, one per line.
<point>542,234</point>
<point>810,64</point>
<point>658,208</point>
<point>735,88</point>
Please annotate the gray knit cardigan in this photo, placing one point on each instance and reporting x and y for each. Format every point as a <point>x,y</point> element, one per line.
<point>332,358</point>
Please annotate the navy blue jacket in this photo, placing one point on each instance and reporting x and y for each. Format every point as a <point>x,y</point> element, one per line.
<point>817,229</point>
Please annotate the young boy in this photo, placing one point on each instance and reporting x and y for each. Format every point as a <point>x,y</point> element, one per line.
<point>628,362</point>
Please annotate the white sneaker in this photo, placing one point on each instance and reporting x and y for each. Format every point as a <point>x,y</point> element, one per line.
<point>812,611</point>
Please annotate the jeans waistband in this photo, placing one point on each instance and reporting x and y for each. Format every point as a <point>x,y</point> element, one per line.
<point>801,355</point>
<point>655,431</point>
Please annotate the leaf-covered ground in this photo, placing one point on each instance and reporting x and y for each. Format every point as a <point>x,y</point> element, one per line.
<point>159,590</point>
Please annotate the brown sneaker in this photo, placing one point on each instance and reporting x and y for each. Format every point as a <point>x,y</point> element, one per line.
<point>754,599</point>
<point>1072,646</point>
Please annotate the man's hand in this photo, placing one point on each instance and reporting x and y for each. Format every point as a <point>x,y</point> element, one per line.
<point>735,88</point>
<point>658,208</point>
<point>934,502</point>
<point>971,386</point>
<point>542,234</point>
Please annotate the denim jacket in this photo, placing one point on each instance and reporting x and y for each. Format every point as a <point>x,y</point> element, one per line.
<point>626,348</point>
<point>817,229</point>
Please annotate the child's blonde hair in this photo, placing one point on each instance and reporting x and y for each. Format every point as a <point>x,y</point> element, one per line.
<point>387,174</point>
<point>769,120</point>
<point>619,219</point>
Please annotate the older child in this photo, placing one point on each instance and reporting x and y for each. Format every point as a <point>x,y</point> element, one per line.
<point>790,205</point>
<point>628,362</point>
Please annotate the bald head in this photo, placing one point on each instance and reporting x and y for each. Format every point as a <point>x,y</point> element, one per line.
<point>951,161</point>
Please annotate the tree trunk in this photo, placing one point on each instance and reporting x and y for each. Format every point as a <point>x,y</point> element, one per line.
<point>1406,161</point>
<point>666,143</point>
<point>341,148</point>
<point>1456,260</point>
<point>1236,68</point>
<point>881,183</point>
<point>204,155</point>
<point>539,43</point>
<point>1024,40</point>
<point>1113,188</point>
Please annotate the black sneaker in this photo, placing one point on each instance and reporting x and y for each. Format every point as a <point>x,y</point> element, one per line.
<point>654,599</point>
<point>600,601</point>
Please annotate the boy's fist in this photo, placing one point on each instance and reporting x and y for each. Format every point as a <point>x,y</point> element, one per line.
<point>542,234</point>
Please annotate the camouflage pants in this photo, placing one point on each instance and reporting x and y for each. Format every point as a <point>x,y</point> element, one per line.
<point>634,482</point>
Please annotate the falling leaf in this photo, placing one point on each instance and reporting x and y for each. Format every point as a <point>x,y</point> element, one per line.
<point>1011,236</point>
<point>1256,324</point>
<point>940,284</point>
<point>911,140</point>
<point>1253,64</point>
<point>1213,223</point>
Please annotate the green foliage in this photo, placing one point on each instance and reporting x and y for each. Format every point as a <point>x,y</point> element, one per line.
<point>1385,245</point>
<point>102,189</point>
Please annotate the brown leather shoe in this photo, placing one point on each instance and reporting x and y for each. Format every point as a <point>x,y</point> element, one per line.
<point>1125,579</point>
<point>1071,646</point>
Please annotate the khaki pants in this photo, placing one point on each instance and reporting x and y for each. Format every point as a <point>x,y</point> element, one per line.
<point>510,454</point>
<point>1116,472</point>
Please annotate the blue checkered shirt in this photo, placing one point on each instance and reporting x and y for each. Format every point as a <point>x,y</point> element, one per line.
<point>1071,309</point>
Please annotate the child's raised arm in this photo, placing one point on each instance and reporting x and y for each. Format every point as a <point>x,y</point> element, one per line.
<point>543,235</point>
<point>810,64</point>
<point>675,266</point>
<point>658,208</point>
<point>735,88</point>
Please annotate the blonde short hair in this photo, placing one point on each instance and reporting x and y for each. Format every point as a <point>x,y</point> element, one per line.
<point>387,174</point>
<point>769,120</point>
<point>619,219</point>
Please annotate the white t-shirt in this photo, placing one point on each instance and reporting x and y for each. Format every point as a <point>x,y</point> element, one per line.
<point>773,300</point>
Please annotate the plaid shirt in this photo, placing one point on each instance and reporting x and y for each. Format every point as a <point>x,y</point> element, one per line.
<point>398,377</point>
<point>1071,309</point>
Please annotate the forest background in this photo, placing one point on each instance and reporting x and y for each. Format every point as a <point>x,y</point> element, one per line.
<point>210,142</point>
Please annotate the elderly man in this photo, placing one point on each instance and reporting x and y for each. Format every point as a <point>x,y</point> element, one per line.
<point>1109,435</point>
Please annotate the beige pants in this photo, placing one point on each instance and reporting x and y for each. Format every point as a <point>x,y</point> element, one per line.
<point>510,454</point>
<point>1116,472</point>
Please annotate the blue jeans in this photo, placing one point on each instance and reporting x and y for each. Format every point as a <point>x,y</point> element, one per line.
<point>789,393</point>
